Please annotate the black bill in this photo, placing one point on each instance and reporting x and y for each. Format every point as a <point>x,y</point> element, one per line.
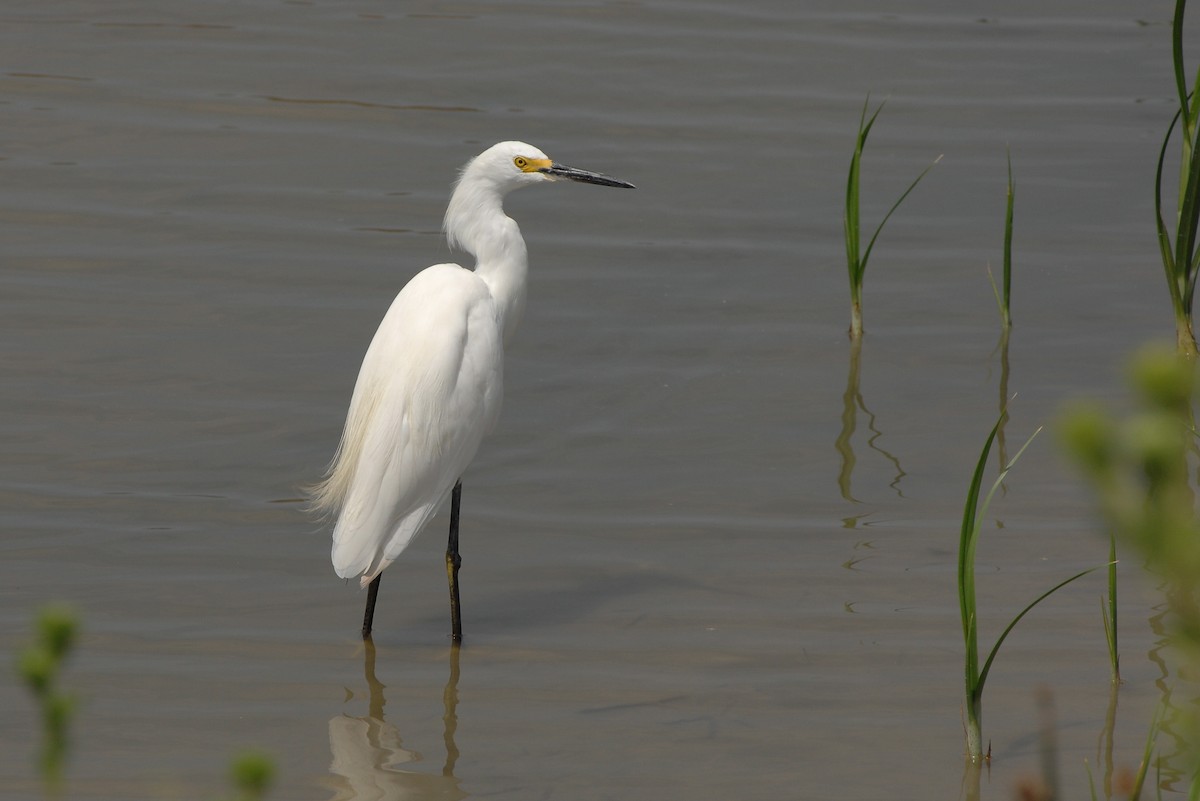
<point>583,176</point>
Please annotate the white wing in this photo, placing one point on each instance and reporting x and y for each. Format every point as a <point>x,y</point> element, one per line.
<point>428,391</point>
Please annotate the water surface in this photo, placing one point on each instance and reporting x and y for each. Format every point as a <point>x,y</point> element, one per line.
<point>676,584</point>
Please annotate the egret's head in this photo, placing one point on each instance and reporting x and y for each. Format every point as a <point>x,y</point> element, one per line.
<point>510,165</point>
<point>495,172</point>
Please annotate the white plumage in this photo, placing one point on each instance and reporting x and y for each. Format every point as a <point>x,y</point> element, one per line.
<point>430,385</point>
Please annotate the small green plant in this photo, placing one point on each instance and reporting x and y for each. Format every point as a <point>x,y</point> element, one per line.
<point>252,773</point>
<point>39,665</point>
<point>1003,293</point>
<point>1138,467</point>
<point>1181,259</point>
<point>974,674</point>
<point>856,258</point>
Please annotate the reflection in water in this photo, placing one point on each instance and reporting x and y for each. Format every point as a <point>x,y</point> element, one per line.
<point>1174,763</point>
<point>851,521</point>
<point>850,398</point>
<point>1048,742</point>
<point>367,751</point>
<point>1042,786</point>
<point>852,562</point>
<point>852,401</point>
<point>1104,747</point>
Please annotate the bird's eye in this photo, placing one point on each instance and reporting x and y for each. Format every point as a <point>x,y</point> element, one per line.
<point>521,162</point>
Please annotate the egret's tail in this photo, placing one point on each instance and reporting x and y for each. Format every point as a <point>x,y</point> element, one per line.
<point>328,495</point>
<point>325,497</point>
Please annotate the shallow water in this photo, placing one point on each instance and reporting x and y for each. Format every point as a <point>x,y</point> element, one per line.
<point>676,583</point>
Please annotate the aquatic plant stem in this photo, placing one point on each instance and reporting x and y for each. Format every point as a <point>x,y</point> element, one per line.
<point>856,258</point>
<point>974,674</point>
<point>968,540</point>
<point>1109,610</point>
<point>1185,338</point>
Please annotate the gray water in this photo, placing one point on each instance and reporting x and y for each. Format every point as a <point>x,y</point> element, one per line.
<point>675,584</point>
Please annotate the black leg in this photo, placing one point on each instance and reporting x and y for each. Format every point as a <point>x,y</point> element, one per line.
<point>369,615</point>
<point>453,562</point>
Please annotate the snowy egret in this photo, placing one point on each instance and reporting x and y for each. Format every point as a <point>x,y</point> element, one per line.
<point>430,385</point>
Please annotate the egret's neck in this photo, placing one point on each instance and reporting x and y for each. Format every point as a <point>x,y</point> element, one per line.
<point>476,223</point>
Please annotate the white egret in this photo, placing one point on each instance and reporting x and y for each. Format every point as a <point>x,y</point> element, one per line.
<point>430,385</point>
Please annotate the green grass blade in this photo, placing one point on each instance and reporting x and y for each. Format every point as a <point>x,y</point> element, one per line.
<point>892,210</point>
<point>968,537</point>
<point>1106,616</point>
<point>1185,234</point>
<point>971,663</point>
<point>1110,613</point>
<point>1191,116</point>
<point>1164,236</point>
<point>851,221</point>
<point>1177,57</point>
<point>1004,472</point>
<point>987,665</point>
<point>1193,108</point>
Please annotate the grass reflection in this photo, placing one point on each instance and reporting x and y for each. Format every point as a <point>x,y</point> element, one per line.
<point>852,403</point>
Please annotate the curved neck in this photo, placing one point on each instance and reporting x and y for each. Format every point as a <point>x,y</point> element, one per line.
<point>476,222</point>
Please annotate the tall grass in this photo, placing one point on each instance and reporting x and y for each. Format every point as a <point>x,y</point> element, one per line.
<point>856,257</point>
<point>1181,258</point>
<point>1003,295</point>
<point>974,673</point>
